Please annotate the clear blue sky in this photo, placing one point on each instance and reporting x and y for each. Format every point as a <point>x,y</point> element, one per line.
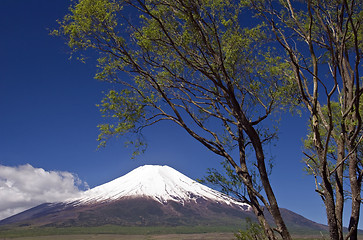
<point>48,116</point>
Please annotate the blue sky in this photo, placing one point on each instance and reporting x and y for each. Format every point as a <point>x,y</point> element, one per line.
<point>48,116</point>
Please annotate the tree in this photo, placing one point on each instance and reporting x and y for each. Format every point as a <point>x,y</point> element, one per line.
<point>337,180</point>
<point>194,63</point>
<point>323,42</point>
<point>228,181</point>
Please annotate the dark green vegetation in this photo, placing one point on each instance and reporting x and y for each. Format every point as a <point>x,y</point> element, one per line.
<point>197,236</point>
<point>112,229</point>
<point>6,232</point>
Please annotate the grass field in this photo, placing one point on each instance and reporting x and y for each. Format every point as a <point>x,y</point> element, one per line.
<point>204,236</point>
<point>195,236</point>
<point>112,232</point>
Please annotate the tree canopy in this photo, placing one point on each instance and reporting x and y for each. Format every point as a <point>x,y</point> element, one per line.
<point>204,65</point>
<point>193,63</point>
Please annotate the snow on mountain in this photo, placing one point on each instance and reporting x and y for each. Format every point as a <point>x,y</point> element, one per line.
<point>161,183</point>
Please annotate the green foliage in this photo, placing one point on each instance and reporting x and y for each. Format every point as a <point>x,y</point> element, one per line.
<point>253,231</point>
<point>314,161</point>
<point>228,181</point>
<point>125,108</point>
<point>89,19</point>
<point>179,60</point>
<point>127,112</point>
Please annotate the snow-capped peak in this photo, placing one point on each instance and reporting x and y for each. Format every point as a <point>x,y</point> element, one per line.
<point>161,183</point>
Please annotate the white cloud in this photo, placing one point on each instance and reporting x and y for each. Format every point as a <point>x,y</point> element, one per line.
<point>24,186</point>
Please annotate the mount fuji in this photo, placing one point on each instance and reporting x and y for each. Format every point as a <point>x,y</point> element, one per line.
<point>160,183</point>
<point>150,195</point>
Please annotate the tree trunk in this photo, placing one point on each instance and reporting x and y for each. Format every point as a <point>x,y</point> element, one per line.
<point>339,201</point>
<point>331,216</point>
<point>328,191</point>
<point>247,179</point>
<point>257,209</point>
<point>273,208</point>
<point>257,145</point>
<point>353,97</point>
<point>356,196</point>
